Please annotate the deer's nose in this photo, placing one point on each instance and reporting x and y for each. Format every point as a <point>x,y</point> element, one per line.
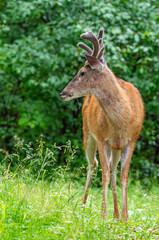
<point>62,94</point>
<point>65,95</point>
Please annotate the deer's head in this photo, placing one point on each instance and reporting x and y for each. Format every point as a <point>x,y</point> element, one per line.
<point>87,78</point>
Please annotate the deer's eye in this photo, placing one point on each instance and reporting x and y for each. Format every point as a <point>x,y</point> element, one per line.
<point>82,73</point>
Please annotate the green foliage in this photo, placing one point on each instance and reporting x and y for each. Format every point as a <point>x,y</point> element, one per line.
<point>39,56</point>
<point>31,209</point>
<point>38,160</point>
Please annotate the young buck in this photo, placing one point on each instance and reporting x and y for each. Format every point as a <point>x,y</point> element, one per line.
<point>113,114</point>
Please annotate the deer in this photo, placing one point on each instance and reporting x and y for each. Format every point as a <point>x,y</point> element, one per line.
<point>113,113</point>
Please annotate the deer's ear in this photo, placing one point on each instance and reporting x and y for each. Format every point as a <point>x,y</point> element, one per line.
<point>94,63</point>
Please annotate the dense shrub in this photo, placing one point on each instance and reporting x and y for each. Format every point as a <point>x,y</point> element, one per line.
<point>39,55</point>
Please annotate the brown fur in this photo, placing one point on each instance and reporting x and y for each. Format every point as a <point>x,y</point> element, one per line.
<point>101,127</point>
<point>113,114</point>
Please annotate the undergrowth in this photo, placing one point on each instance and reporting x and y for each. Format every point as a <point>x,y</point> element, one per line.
<point>38,209</point>
<point>41,203</point>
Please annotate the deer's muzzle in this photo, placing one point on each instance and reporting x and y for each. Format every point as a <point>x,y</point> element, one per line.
<point>66,96</point>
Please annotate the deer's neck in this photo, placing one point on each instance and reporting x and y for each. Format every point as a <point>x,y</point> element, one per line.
<point>113,100</point>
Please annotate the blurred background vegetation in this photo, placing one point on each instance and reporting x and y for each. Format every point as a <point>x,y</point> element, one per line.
<point>39,56</point>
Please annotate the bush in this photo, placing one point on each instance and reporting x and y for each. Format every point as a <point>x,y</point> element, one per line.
<point>39,56</point>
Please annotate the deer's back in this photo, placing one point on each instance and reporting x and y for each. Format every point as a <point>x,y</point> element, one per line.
<point>96,123</point>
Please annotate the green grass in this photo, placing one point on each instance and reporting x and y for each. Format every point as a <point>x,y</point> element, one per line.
<point>31,209</point>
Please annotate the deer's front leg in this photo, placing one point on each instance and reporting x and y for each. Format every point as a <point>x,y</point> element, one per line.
<point>105,182</point>
<point>91,147</point>
<point>115,158</point>
<point>104,160</point>
<point>125,164</point>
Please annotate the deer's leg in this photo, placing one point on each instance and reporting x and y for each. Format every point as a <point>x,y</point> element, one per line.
<point>125,164</point>
<point>104,160</point>
<point>115,158</point>
<point>90,149</point>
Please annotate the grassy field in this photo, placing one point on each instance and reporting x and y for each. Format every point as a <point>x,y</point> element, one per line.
<point>35,209</point>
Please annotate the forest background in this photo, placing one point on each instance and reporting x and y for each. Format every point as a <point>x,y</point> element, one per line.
<point>39,56</point>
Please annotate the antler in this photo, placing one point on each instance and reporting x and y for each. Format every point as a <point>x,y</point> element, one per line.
<point>85,47</point>
<point>102,48</point>
<point>92,38</point>
<point>98,48</point>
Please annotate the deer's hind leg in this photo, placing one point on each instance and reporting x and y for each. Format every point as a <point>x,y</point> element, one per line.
<point>90,150</point>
